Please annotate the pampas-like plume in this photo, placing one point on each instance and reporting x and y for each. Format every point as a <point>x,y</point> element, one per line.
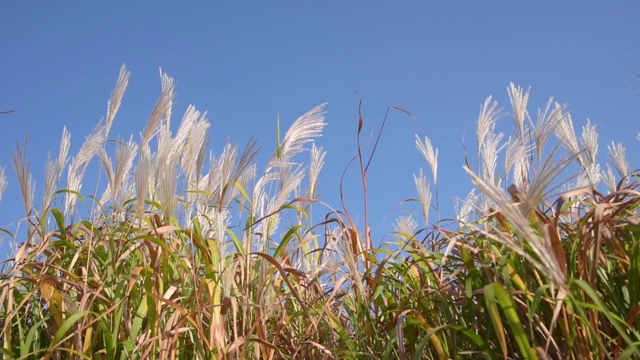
<point>142,177</point>
<point>590,142</point>
<point>221,174</point>
<point>291,183</point>
<point>489,114</point>
<point>489,152</point>
<point>465,208</point>
<point>547,263</point>
<point>259,196</point>
<point>3,182</point>
<point>619,159</point>
<point>547,124</point>
<point>166,184</point>
<point>161,110</point>
<point>53,169</point>
<point>192,162</point>
<point>195,147</point>
<point>117,176</point>
<point>125,153</point>
<point>65,143</point>
<point>186,126</point>
<point>567,135</point>
<point>220,222</point>
<point>589,177</point>
<point>223,178</point>
<point>302,131</point>
<point>609,179</point>
<point>78,165</point>
<point>519,100</point>
<point>516,158</point>
<point>164,148</point>
<point>167,87</point>
<point>405,228</point>
<point>25,180</point>
<point>539,186</point>
<point>116,99</point>
<point>591,171</point>
<point>431,155</point>
<point>247,158</point>
<point>424,194</point>
<point>316,163</point>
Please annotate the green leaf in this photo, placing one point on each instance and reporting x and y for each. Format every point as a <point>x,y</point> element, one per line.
<point>418,354</point>
<point>509,309</point>
<point>631,352</point>
<point>619,324</point>
<point>494,315</point>
<point>25,346</point>
<point>285,240</point>
<point>478,340</point>
<point>141,314</point>
<point>62,331</point>
<point>536,300</point>
<point>8,353</point>
<point>60,222</point>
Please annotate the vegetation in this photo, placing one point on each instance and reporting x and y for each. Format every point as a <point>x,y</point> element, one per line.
<point>180,258</point>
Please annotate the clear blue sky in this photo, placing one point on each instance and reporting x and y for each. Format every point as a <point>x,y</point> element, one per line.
<point>247,62</point>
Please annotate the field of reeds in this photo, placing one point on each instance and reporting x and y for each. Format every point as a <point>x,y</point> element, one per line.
<point>186,255</point>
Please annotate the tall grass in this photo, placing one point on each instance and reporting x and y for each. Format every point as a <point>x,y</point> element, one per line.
<point>189,255</point>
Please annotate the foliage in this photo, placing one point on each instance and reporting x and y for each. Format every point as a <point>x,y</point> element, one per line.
<point>180,259</point>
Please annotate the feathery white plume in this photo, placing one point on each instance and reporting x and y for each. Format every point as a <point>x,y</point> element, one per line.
<point>3,182</point>
<point>567,135</point>
<point>547,124</point>
<point>116,99</point>
<point>431,155</point>
<point>53,169</point>
<point>590,143</point>
<point>405,228</point>
<point>548,263</point>
<point>489,152</point>
<point>302,131</point>
<point>424,194</point>
<point>619,159</point>
<point>316,163</point>
<point>465,208</point>
<point>609,179</point>
<point>161,110</point>
<point>489,114</point>
<point>519,100</point>
<point>25,179</point>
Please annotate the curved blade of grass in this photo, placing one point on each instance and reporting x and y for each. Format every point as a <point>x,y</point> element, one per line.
<point>634,266</point>
<point>62,331</point>
<point>285,240</point>
<point>631,352</point>
<point>60,222</point>
<point>615,321</point>
<point>492,307</point>
<point>284,277</point>
<point>25,345</point>
<point>430,337</point>
<point>8,353</point>
<point>508,307</point>
<point>475,339</point>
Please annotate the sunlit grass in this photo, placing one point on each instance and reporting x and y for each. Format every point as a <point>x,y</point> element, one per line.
<point>186,255</point>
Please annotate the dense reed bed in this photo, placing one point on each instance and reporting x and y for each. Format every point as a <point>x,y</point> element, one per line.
<point>186,255</point>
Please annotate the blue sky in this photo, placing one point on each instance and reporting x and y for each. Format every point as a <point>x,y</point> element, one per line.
<point>248,62</point>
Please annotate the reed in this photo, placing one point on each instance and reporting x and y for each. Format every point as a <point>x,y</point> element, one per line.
<point>189,255</point>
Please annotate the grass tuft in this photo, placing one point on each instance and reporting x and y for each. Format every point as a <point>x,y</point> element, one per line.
<point>187,256</point>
